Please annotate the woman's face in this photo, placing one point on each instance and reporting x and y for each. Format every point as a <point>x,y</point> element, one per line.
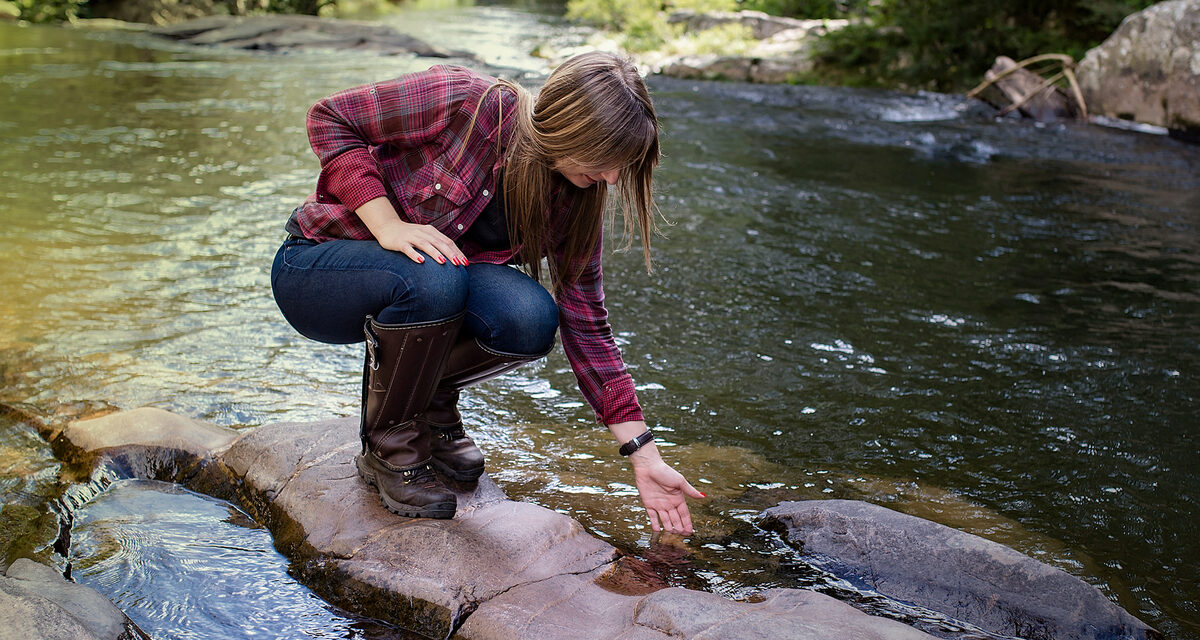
<point>584,177</point>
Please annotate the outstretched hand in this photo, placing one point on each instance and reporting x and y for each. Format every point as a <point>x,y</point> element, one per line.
<point>664,491</point>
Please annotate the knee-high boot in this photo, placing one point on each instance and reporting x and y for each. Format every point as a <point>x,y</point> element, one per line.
<point>402,369</point>
<point>454,452</point>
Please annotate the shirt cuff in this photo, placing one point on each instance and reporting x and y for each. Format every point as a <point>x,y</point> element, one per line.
<point>618,402</point>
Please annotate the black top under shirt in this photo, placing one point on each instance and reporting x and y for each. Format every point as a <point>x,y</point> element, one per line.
<point>490,229</point>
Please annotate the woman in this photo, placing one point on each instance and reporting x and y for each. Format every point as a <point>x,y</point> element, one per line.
<point>430,184</point>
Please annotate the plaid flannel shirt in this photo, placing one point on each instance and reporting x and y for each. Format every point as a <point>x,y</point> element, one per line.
<point>407,140</point>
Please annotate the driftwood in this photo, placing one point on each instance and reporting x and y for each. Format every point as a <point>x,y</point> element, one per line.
<point>1011,86</point>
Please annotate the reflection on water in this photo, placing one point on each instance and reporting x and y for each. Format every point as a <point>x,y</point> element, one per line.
<point>863,295</point>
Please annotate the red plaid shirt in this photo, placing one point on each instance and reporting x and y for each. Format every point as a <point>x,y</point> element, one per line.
<point>406,140</point>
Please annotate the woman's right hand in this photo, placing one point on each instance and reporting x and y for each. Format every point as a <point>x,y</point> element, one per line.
<point>410,239</point>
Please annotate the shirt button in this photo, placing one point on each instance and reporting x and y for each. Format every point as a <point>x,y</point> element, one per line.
<point>460,227</point>
<point>437,186</point>
<point>485,193</point>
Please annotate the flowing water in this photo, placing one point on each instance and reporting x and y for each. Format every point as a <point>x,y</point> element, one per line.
<point>992,324</point>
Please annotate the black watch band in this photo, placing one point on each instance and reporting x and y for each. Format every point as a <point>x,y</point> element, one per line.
<point>637,443</point>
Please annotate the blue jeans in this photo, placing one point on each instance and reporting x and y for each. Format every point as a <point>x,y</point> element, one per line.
<point>326,290</point>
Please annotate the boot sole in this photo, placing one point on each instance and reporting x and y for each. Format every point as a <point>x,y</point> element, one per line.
<point>438,510</point>
<point>458,475</point>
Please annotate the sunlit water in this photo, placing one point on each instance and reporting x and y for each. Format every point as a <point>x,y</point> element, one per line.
<point>863,294</point>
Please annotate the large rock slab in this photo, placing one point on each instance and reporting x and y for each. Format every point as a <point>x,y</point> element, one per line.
<point>426,575</point>
<point>277,32</point>
<point>958,574</point>
<point>1148,70</point>
<point>37,602</point>
<point>498,570</point>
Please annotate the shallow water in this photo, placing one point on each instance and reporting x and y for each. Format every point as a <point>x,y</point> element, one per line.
<point>863,294</point>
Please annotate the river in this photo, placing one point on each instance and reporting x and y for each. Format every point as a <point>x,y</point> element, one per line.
<point>862,294</point>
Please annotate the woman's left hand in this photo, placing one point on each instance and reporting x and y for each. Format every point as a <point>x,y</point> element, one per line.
<point>664,491</point>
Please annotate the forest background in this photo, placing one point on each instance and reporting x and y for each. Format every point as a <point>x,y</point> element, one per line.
<point>939,45</point>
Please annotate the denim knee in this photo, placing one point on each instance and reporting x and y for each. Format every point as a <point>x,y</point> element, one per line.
<point>509,311</point>
<point>438,291</point>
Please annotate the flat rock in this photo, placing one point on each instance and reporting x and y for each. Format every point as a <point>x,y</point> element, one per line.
<point>326,518</point>
<point>277,32</point>
<point>150,443</point>
<point>37,602</point>
<point>963,576</point>
<point>498,570</point>
<point>1148,70</point>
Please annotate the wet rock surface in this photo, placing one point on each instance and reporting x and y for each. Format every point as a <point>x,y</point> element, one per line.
<point>958,574</point>
<point>282,33</point>
<point>1148,70</point>
<point>498,569</point>
<point>37,602</point>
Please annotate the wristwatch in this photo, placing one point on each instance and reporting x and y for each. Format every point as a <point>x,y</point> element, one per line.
<point>637,443</point>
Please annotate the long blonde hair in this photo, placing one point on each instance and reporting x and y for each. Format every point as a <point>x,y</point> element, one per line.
<point>594,111</point>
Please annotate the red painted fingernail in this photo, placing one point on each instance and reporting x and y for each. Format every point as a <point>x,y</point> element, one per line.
<point>703,495</point>
<point>420,259</point>
<point>441,260</point>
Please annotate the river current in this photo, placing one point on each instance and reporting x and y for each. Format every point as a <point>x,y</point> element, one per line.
<point>861,294</point>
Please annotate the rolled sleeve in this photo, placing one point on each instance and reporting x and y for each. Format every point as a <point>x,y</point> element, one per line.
<point>588,342</point>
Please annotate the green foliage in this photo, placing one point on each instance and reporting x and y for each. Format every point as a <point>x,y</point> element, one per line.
<point>641,22</point>
<point>302,7</point>
<point>52,10</point>
<point>806,8</point>
<point>947,45</point>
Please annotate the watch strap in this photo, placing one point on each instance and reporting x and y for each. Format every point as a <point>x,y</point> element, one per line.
<point>637,443</point>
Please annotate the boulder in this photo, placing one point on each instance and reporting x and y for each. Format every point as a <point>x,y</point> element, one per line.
<point>37,602</point>
<point>1148,70</point>
<point>963,576</point>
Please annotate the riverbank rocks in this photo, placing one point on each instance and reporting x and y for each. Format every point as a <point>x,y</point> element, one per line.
<point>1148,70</point>
<point>499,569</point>
<point>781,51</point>
<point>958,574</point>
<point>283,33</point>
<point>37,602</point>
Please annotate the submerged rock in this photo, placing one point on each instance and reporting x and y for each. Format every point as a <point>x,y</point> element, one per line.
<point>37,602</point>
<point>1148,70</point>
<point>945,570</point>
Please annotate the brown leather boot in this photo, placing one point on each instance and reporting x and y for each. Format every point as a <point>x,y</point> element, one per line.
<point>403,365</point>
<point>454,452</point>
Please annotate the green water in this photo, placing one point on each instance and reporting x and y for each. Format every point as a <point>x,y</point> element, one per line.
<point>863,294</point>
